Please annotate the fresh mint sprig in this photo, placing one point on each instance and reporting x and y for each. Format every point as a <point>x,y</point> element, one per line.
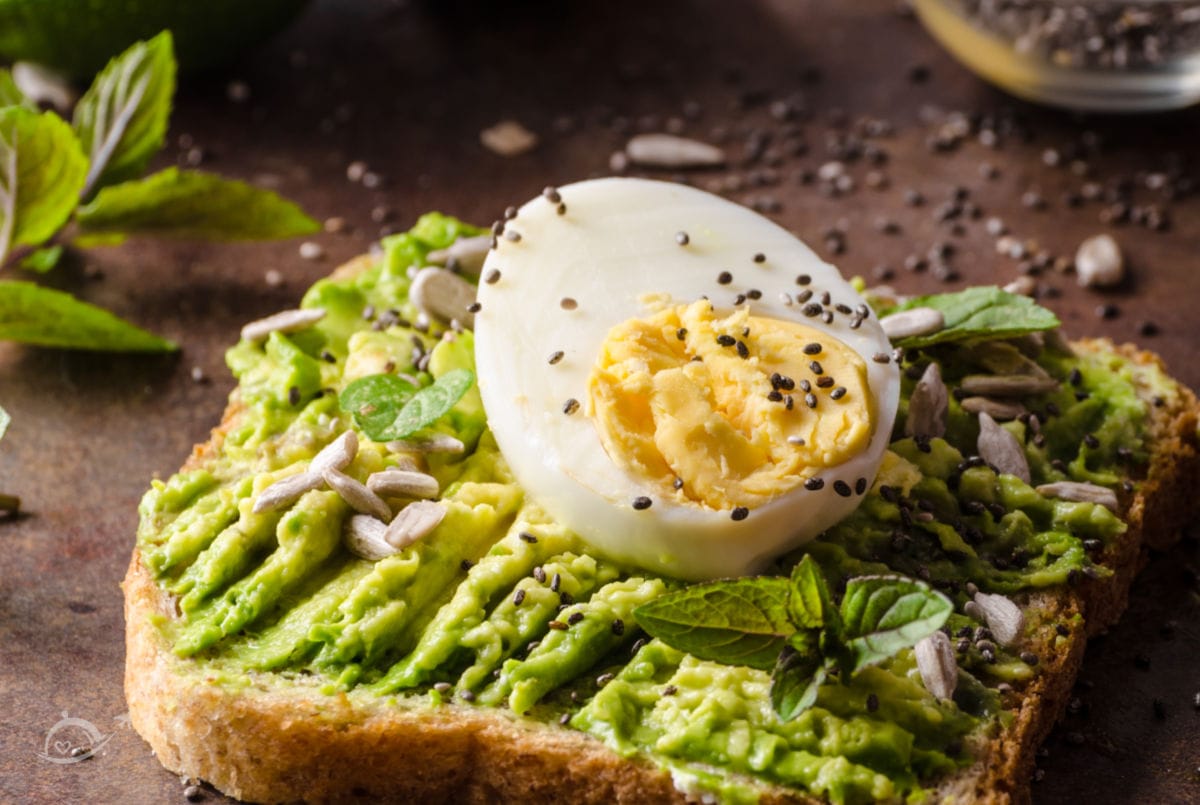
<point>982,312</point>
<point>792,628</point>
<point>79,185</point>
<point>387,407</point>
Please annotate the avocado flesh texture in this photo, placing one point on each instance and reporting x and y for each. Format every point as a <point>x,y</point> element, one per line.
<point>277,592</point>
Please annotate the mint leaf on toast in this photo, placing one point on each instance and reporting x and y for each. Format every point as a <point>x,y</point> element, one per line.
<point>884,614</point>
<point>736,622</point>
<point>981,312</point>
<point>796,679</point>
<point>192,204</point>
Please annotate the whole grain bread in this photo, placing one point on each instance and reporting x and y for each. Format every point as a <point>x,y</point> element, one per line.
<point>276,738</point>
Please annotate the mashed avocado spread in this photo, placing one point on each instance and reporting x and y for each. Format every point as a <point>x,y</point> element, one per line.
<point>501,607</point>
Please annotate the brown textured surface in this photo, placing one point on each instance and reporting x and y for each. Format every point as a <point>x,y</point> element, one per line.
<point>407,89</point>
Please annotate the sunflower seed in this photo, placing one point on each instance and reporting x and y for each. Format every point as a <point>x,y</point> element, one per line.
<point>286,491</point>
<point>935,662</point>
<point>1007,385</point>
<point>397,483</point>
<point>413,522</point>
<point>288,321</point>
<point>1080,493</point>
<point>336,455</point>
<point>1001,449</point>
<point>1004,618</point>
<point>669,151</point>
<point>999,410</point>
<point>439,293</point>
<point>928,406</point>
<point>465,254</point>
<point>358,496</point>
<point>508,138</point>
<point>364,537</point>
<point>1099,263</point>
<point>913,322</point>
<point>434,443</point>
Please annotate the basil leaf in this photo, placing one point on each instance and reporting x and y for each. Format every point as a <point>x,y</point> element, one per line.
<point>122,119</point>
<point>809,605</point>
<point>736,622</point>
<point>375,401</point>
<point>883,614</point>
<point>10,93</point>
<point>192,204</point>
<point>4,420</point>
<point>41,173</point>
<point>430,404</point>
<point>35,315</point>
<point>42,260</point>
<point>795,681</point>
<point>983,312</point>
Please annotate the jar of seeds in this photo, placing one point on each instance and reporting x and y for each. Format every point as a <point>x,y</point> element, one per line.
<point>1099,55</point>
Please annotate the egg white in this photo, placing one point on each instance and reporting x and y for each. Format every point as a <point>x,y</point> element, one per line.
<point>616,243</point>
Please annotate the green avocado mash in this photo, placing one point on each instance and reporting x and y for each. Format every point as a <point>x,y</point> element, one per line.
<point>501,607</point>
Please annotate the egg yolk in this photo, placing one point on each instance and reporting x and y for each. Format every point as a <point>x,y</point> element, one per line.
<point>727,412</point>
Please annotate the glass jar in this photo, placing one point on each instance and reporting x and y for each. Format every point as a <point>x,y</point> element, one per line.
<point>1095,55</point>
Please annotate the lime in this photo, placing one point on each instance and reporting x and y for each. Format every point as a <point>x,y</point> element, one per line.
<point>78,37</point>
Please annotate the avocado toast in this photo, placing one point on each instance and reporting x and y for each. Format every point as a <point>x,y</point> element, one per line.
<point>265,657</point>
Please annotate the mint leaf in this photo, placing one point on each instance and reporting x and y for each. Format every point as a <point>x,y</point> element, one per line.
<point>795,681</point>
<point>4,420</point>
<point>884,614</point>
<point>375,401</point>
<point>982,312</point>
<point>809,605</point>
<point>430,404</point>
<point>193,204</point>
<point>10,93</point>
<point>41,172</point>
<point>122,119</point>
<point>35,315</point>
<point>736,622</point>
<point>42,260</point>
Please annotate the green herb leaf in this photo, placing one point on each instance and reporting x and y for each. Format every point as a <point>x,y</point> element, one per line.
<point>736,622</point>
<point>42,260</point>
<point>35,315</point>
<point>809,604</point>
<point>375,401</point>
<point>10,94</point>
<point>884,614</point>
<point>122,118</point>
<point>41,173</point>
<point>983,312</point>
<point>430,404</point>
<point>795,681</point>
<point>193,204</point>
<point>4,420</point>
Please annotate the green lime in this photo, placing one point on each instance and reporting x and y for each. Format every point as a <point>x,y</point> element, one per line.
<point>78,37</point>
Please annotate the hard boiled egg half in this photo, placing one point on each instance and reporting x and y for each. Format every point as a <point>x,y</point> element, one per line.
<point>677,379</point>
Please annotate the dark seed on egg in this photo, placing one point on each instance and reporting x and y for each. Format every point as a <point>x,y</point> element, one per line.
<point>743,351</point>
<point>760,258</point>
<point>810,400</point>
<point>527,537</point>
<point>682,238</point>
<point>726,340</point>
<point>805,385</point>
<point>567,303</point>
<point>816,367</point>
<point>813,484</point>
<point>803,279</point>
<point>804,296</point>
<point>774,396</point>
<point>881,357</point>
<point>642,503</point>
<point>860,486</point>
<point>811,309</point>
<point>570,406</point>
<point>824,382</point>
<point>724,278</point>
<point>739,513</point>
<point>492,277</point>
<point>555,357</point>
<point>838,393</point>
<point>812,349</point>
<point>842,488</point>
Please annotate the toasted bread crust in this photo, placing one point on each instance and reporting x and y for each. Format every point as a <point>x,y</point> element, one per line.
<point>267,739</point>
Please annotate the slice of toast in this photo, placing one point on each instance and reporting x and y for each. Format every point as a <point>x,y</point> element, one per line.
<point>273,737</point>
